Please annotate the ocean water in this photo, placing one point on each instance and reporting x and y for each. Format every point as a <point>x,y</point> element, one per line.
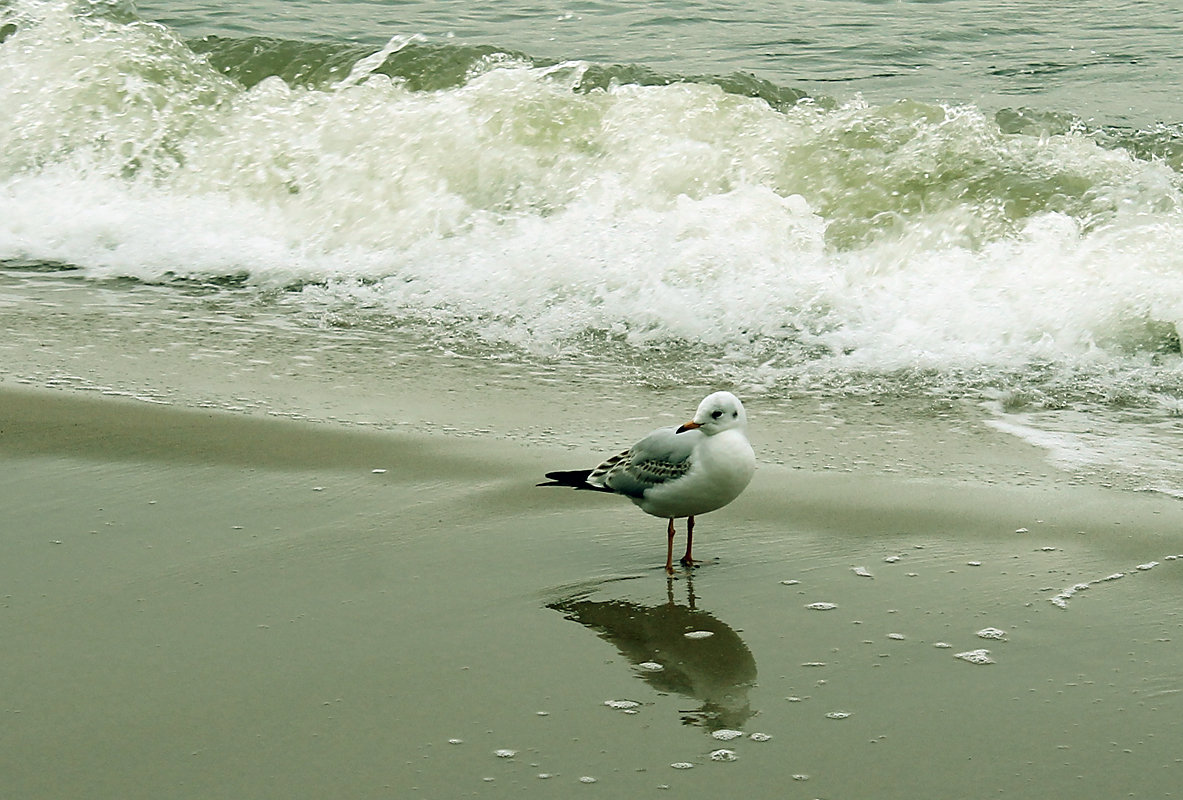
<point>911,203</point>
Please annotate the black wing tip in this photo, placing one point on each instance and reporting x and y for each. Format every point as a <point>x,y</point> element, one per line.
<point>572,479</point>
<point>575,478</point>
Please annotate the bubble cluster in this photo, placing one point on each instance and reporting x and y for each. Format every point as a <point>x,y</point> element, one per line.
<point>622,705</point>
<point>981,656</point>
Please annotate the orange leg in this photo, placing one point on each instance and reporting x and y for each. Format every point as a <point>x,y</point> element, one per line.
<point>687,560</point>
<point>669,550</point>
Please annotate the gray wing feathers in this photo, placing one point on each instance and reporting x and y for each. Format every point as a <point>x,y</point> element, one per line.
<point>661,456</point>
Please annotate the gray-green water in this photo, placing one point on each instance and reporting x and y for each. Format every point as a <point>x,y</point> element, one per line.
<point>1112,64</point>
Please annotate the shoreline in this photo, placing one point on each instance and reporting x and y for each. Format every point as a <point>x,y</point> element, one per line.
<point>91,427</point>
<point>210,604</point>
<point>253,360</point>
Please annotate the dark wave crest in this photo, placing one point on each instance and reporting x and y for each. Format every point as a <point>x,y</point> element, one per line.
<point>424,66</point>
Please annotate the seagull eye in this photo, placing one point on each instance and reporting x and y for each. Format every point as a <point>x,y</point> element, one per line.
<point>716,414</point>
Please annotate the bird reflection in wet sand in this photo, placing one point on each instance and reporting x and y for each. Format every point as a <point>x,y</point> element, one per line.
<point>716,670</point>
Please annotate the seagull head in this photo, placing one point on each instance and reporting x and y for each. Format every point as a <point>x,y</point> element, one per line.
<point>717,412</point>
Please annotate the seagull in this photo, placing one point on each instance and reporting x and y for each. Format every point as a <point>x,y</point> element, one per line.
<point>679,472</point>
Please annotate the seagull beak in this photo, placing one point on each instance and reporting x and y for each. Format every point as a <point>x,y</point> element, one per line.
<point>689,426</point>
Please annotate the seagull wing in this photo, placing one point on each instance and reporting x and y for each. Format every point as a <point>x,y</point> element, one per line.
<point>662,456</point>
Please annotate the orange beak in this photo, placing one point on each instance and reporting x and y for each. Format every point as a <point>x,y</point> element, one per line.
<point>689,426</point>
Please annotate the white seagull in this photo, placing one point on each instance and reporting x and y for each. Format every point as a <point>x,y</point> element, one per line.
<point>679,472</point>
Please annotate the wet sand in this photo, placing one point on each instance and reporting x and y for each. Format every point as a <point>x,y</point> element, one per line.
<point>213,605</point>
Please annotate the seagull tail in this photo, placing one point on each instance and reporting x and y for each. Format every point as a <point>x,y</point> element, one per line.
<point>574,478</point>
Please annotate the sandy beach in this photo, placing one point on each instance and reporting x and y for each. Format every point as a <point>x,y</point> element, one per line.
<point>204,604</point>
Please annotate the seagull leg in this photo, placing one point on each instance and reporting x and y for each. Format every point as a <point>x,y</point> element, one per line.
<point>686,560</point>
<point>669,550</point>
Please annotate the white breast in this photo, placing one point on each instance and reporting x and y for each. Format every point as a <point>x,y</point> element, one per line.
<point>723,465</point>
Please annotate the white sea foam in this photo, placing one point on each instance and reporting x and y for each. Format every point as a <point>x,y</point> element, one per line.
<point>658,213</point>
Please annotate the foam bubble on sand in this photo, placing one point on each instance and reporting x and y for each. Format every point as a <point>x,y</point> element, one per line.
<point>699,634</point>
<point>651,666</point>
<point>992,633</point>
<point>723,755</point>
<point>976,656</point>
<point>862,572</point>
<point>726,734</point>
<point>682,765</point>
<point>622,705</point>
<point>838,715</point>
<point>822,606</point>
<point>1061,600</point>
<point>505,753</point>
<point>760,737</point>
